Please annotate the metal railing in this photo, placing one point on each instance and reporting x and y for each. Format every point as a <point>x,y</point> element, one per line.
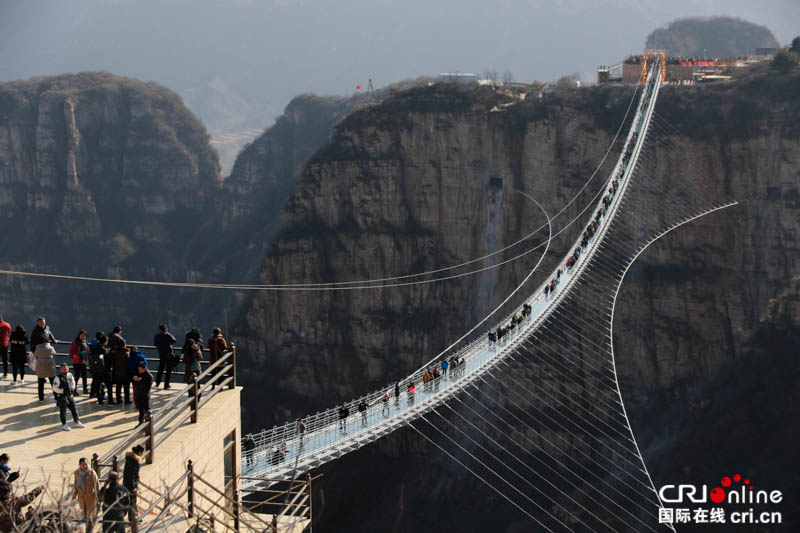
<point>142,348</point>
<point>168,418</point>
<point>197,501</point>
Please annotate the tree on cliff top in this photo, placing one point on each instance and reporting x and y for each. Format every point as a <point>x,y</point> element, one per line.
<point>784,62</point>
<point>712,37</point>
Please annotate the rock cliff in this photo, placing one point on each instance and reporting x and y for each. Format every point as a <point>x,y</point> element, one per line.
<point>265,174</point>
<point>404,187</point>
<point>101,176</point>
<point>427,178</point>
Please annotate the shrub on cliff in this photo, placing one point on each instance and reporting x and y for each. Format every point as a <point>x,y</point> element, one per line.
<point>784,62</point>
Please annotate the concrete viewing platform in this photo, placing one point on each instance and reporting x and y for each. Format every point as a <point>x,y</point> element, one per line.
<point>208,437</point>
<point>32,436</point>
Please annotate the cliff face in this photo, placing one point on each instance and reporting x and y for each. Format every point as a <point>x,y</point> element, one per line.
<point>708,342</point>
<point>103,176</point>
<point>265,172</point>
<point>112,177</point>
<point>407,186</point>
<point>80,137</point>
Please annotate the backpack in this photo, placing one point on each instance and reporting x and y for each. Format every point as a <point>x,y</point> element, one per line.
<point>96,365</point>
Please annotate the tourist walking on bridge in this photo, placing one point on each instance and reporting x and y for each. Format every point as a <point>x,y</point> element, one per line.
<point>19,353</point>
<point>426,381</point>
<point>300,427</point>
<point>164,340</point>
<point>45,365</point>
<point>344,412</point>
<point>385,408</point>
<point>362,408</point>
<point>249,446</point>
<point>85,489</point>
<point>64,388</point>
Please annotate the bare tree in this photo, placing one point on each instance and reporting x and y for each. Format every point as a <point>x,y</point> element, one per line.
<point>508,77</point>
<point>490,74</point>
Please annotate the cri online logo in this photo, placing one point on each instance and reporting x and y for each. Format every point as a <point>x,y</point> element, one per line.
<point>734,489</point>
<point>717,494</point>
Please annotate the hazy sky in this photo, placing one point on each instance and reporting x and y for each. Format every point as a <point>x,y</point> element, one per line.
<point>261,53</point>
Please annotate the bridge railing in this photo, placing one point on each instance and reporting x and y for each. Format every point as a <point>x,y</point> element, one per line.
<point>280,435</point>
<point>152,361</point>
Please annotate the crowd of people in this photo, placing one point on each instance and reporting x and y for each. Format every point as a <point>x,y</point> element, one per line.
<point>686,60</point>
<point>114,501</point>
<point>499,335</point>
<point>113,365</point>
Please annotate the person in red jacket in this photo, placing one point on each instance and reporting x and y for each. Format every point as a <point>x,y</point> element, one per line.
<point>79,350</point>
<point>5,333</point>
<point>216,348</point>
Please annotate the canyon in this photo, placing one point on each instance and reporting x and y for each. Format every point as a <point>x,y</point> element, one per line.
<point>112,177</point>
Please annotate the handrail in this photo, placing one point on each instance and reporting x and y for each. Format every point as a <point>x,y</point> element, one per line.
<point>164,495</point>
<point>140,346</point>
<point>292,503</point>
<point>275,494</point>
<point>223,495</point>
<point>176,410</point>
<point>210,395</point>
<point>219,362</point>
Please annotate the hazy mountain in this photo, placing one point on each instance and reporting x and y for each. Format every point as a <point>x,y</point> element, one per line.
<point>239,62</point>
<point>711,37</point>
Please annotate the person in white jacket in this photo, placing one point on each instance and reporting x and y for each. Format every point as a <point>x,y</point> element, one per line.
<point>64,389</point>
<point>45,365</point>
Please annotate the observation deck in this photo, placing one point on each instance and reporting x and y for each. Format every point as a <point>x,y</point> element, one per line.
<point>33,438</point>
<point>189,470</point>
